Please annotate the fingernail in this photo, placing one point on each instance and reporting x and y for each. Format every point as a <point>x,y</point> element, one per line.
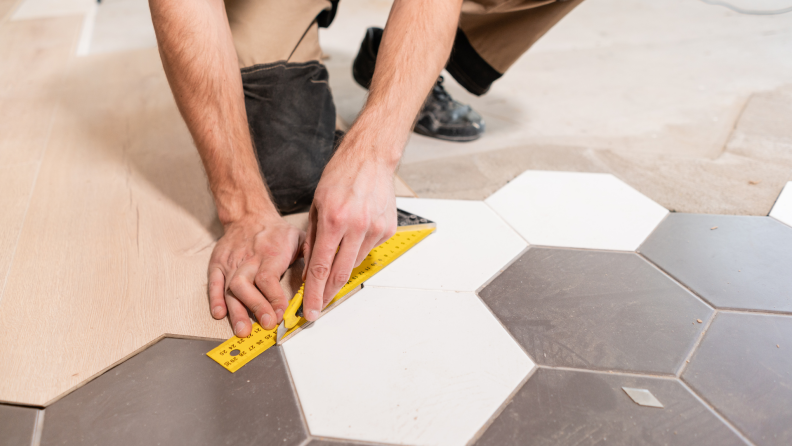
<point>313,315</point>
<point>279,314</point>
<point>265,320</point>
<point>238,328</point>
<point>217,311</point>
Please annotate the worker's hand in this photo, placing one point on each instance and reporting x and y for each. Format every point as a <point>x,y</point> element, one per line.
<point>353,211</point>
<point>245,271</point>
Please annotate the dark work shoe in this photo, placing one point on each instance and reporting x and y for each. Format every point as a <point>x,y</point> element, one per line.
<point>441,116</point>
<point>444,118</point>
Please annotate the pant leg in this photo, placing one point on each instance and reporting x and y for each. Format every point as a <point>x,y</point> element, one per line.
<point>493,34</point>
<point>289,105</point>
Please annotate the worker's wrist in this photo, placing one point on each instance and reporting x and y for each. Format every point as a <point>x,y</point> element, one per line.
<point>239,208</point>
<point>375,137</point>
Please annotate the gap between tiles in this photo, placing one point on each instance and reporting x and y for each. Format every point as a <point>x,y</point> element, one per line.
<point>347,441</point>
<point>38,428</point>
<point>717,414</point>
<point>752,311</point>
<point>503,219</point>
<point>303,418</point>
<point>500,322</point>
<point>696,344</point>
<point>674,279</point>
<point>505,267</point>
<point>708,303</point>
<point>611,372</point>
<point>503,405</point>
<point>782,222</point>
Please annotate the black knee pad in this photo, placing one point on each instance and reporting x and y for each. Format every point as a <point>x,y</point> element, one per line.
<point>292,117</point>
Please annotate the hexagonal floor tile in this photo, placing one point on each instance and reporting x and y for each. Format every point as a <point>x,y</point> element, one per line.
<point>418,367</point>
<point>565,407</point>
<point>744,369</point>
<point>782,209</point>
<point>17,425</point>
<point>577,210</point>
<point>730,261</point>
<point>470,246</point>
<point>597,310</point>
<point>172,393</point>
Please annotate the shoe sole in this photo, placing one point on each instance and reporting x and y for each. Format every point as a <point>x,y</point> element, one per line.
<point>423,131</point>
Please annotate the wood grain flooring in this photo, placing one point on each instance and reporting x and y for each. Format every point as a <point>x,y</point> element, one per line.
<point>108,253</point>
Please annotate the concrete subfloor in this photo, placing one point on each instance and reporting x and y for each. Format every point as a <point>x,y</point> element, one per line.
<point>687,102</point>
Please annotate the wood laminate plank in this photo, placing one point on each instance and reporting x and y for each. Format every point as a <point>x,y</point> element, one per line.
<point>35,54</point>
<point>6,9</point>
<point>15,184</point>
<point>114,250</point>
<point>402,189</point>
<point>24,127</point>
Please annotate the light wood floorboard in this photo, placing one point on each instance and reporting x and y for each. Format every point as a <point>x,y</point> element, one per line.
<point>114,250</point>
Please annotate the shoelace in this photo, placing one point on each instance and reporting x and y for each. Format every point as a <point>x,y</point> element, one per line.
<point>440,92</point>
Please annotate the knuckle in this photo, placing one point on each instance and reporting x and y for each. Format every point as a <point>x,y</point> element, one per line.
<point>263,277</point>
<point>377,227</point>
<point>360,224</point>
<point>389,230</point>
<point>236,282</point>
<point>341,279</point>
<point>320,271</point>
<point>336,219</point>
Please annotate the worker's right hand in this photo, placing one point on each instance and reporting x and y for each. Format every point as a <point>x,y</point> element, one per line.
<point>245,270</point>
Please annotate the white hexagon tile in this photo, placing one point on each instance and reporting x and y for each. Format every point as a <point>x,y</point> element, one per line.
<point>782,209</point>
<point>471,244</point>
<point>577,210</point>
<point>405,366</point>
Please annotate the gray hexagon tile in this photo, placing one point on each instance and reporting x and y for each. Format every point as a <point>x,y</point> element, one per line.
<point>577,210</point>
<point>596,310</point>
<point>326,442</point>
<point>171,393</point>
<point>731,261</point>
<point>17,425</point>
<point>566,407</point>
<point>405,366</point>
<point>782,209</point>
<point>744,369</point>
<point>470,245</point>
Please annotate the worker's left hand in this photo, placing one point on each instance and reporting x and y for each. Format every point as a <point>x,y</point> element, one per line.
<point>353,211</point>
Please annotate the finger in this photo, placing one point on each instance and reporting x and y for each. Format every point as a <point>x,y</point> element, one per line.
<point>310,237</point>
<point>342,266</point>
<point>268,282</point>
<point>371,241</point>
<point>243,288</point>
<point>238,315</point>
<point>318,270</point>
<point>378,234</point>
<point>216,287</point>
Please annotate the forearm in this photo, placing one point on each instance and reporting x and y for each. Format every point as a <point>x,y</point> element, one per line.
<point>414,49</point>
<point>200,62</point>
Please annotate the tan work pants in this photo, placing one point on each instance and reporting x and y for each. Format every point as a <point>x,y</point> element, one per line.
<point>492,35</point>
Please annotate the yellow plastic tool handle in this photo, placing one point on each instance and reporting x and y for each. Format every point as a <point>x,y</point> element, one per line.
<point>290,317</point>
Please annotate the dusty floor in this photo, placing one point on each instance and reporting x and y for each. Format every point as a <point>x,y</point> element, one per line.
<point>107,225</point>
<point>687,102</point>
